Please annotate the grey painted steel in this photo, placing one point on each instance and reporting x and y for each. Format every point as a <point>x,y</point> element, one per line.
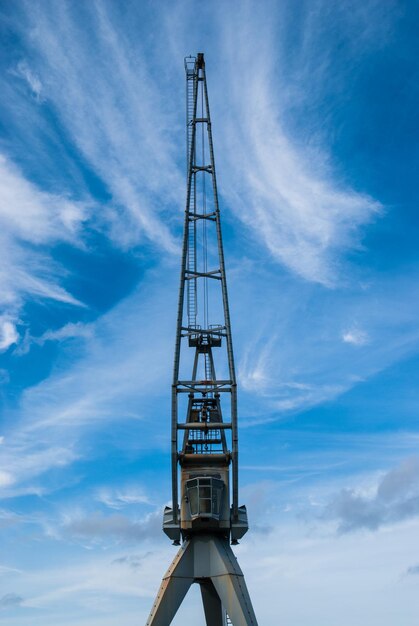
<point>195,70</point>
<point>213,609</point>
<point>204,559</point>
<point>235,439</point>
<point>175,498</point>
<point>170,597</point>
<point>204,517</point>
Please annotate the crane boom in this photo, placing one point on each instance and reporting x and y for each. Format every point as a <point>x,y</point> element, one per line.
<point>202,243</point>
<point>204,441</point>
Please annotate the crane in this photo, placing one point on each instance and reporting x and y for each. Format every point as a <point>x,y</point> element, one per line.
<point>204,516</point>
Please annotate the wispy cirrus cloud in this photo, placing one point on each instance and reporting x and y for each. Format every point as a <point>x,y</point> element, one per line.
<point>24,462</point>
<point>23,71</point>
<point>355,336</point>
<point>125,141</point>
<point>31,222</point>
<point>106,382</point>
<point>99,82</point>
<point>103,91</point>
<point>122,497</point>
<point>283,186</point>
<point>35,216</point>
<point>71,330</point>
<point>302,348</point>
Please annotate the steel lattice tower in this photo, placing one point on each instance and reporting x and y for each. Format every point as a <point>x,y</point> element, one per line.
<point>209,516</point>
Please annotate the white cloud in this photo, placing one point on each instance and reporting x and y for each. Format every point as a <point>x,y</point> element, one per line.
<point>8,333</point>
<point>307,220</point>
<point>255,370</point>
<point>68,331</point>
<point>115,112</point>
<point>106,381</point>
<point>24,71</point>
<point>394,498</point>
<point>120,498</point>
<point>355,336</point>
<point>30,221</point>
<point>33,215</point>
<point>293,560</point>
<point>325,567</point>
<point>278,176</point>
<point>282,187</point>
<point>6,479</point>
<point>290,351</point>
<point>23,461</point>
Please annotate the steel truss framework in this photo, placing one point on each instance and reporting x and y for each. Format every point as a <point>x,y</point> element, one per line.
<point>203,339</point>
<point>206,518</point>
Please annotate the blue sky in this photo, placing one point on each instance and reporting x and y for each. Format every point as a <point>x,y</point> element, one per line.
<point>315,117</point>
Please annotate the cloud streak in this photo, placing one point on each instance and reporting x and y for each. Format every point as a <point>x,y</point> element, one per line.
<point>125,140</point>
<point>120,498</point>
<point>304,347</point>
<point>31,222</point>
<point>24,71</point>
<point>107,383</point>
<point>283,188</point>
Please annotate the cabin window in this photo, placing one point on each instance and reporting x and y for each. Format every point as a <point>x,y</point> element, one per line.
<point>205,496</point>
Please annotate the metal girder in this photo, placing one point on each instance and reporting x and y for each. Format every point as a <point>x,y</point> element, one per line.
<point>213,609</point>
<point>209,561</point>
<point>202,206</point>
<point>206,426</point>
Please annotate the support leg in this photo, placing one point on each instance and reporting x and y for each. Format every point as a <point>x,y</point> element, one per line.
<point>209,561</point>
<point>212,604</point>
<point>173,588</point>
<point>170,596</point>
<point>229,584</point>
<point>235,598</point>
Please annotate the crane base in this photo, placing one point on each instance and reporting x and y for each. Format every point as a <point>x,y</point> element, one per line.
<point>209,561</point>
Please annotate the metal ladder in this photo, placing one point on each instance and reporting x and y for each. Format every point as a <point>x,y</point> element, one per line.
<point>192,282</point>
<point>191,285</point>
<point>208,368</point>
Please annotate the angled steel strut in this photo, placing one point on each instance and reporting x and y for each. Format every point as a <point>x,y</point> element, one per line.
<point>207,515</point>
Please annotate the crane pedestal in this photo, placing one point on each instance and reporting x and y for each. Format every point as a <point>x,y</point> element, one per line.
<point>209,561</point>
